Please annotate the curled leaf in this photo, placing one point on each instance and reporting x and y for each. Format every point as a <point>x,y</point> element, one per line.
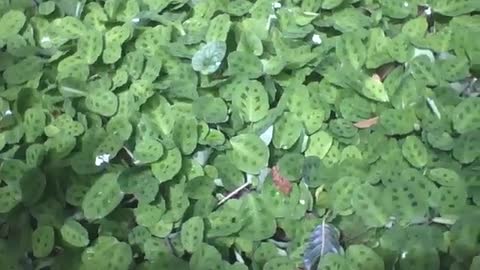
<point>209,58</point>
<point>323,240</point>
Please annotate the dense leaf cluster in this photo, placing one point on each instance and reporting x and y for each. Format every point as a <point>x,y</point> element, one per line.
<point>140,134</point>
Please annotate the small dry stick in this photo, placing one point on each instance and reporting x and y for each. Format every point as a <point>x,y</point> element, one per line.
<point>233,193</point>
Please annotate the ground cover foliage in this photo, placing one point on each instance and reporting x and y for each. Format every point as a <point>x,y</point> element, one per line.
<point>202,134</point>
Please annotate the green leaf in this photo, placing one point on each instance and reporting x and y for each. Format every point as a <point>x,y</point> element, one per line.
<point>72,88</point>
<point>319,144</point>
<point>114,38</point>
<point>239,7</point>
<point>199,187</point>
<point>75,194</point>
<point>168,166</point>
<point>46,8</point>
<point>148,215</point>
<point>400,49</point>
<point>73,67</point>
<point>23,71</point>
<point>286,131</point>
<point>218,29</point>
<point>444,177</point>
<point>475,263</point>
<point>251,99</point>
<point>69,27</point>
<point>415,152</point>
<point>259,223</point>
<point>120,79</point>
<point>153,66</point>
<point>104,103</point>
<point>398,10</point>
<point>463,245</point>
<point>464,117</point>
<point>108,149</point>
<point>415,28</point>
<point>10,198</point>
<point>349,20</point>
<point>452,200</point>
<point>424,70</point>
<point>158,110</point>
<point>138,236</point>
<point>280,263</point>
<point>108,253</point>
<point>330,4</point>
<point>375,90</point>
<point>421,257</point>
<point>377,49</point>
<point>225,221</point>
<point>11,23</point>
<point>249,153</point>
<point>90,47</point>
<point>228,172</point>
<point>244,64</point>
<point>291,166</point>
<point>454,68</point>
<point>440,140</point>
<point>264,252</point>
<point>192,234</point>
<point>356,109</point>
<point>43,241</point>
<point>120,126</point>
<point>369,202</point>
<point>466,148</point>
<point>161,229</point>
<point>342,128</point>
<point>32,186</point>
<point>398,122</point>
<point>454,8</point>
<point>34,120</point>
<point>74,233</point>
<point>185,134</point>
<point>342,191</point>
<point>364,257</point>
<point>408,203</point>
<point>206,257</point>
<point>315,171</point>
<point>350,49</point>
<point>210,109</point>
<point>148,150</point>
<point>35,155</point>
<point>333,261</point>
<point>140,182</point>
<point>103,197</point>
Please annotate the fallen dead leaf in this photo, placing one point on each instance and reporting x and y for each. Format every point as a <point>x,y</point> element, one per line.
<point>367,122</point>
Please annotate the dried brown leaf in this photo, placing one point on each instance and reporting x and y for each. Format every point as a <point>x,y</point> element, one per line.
<point>282,184</point>
<point>367,122</point>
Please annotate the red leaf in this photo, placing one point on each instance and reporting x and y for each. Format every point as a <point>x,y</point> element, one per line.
<point>366,123</point>
<point>282,184</point>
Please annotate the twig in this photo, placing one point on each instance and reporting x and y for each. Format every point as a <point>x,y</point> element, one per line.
<point>444,220</point>
<point>233,193</point>
<point>434,108</point>
<point>323,237</point>
<point>132,157</point>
